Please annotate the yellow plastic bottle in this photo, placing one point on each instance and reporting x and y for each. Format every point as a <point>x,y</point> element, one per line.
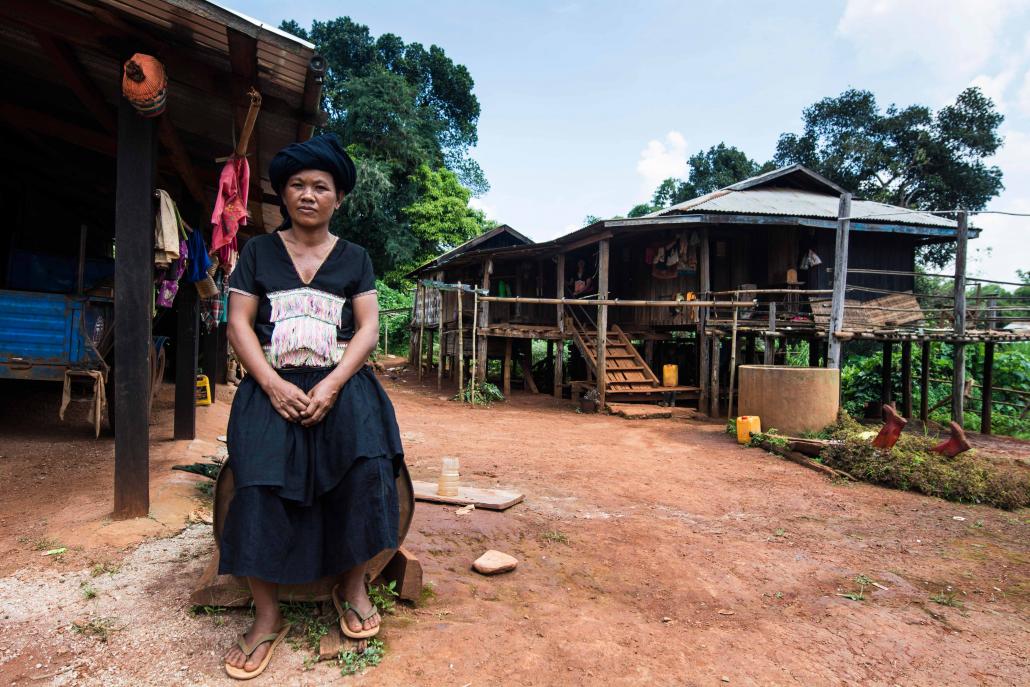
<point>203,391</point>
<point>746,426</point>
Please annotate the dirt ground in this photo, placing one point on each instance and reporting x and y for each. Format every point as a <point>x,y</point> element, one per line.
<point>651,552</point>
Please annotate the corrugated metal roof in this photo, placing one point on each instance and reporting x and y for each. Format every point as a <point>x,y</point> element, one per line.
<point>797,203</point>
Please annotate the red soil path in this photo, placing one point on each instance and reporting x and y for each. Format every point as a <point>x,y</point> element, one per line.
<point>651,552</point>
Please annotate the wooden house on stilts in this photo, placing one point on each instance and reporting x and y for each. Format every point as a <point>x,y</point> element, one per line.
<point>629,296</point>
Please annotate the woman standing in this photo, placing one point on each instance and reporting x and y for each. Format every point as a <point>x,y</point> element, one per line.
<point>313,441</point>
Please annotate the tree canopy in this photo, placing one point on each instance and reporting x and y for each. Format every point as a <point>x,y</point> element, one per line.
<point>409,117</point>
<point>911,157</point>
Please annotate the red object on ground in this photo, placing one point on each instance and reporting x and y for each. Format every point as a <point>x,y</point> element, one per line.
<point>891,430</point>
<point>955,444</point>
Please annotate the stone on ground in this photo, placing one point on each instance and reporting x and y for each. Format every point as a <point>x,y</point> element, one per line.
<point>494,562</point>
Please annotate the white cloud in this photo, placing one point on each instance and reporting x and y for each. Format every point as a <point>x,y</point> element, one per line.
<point>1013,158</point>
<point>488,208</point>
<point>947,35</point>
<point>660,160</point>
<point>1023,97</point>
<point>1005,236</point>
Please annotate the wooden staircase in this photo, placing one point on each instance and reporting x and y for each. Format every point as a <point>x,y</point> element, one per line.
<point>625,370</point>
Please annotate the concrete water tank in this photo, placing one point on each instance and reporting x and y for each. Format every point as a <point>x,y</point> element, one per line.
<point>790,399</point>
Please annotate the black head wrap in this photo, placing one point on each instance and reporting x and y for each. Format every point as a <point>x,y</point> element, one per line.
<point>323,152</point>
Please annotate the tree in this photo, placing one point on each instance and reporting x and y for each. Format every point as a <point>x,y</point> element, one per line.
<point>718,167</point>
<point>440,217</point>
<point>407,115</point>
<point>908,156</point>
<point>640,210</point>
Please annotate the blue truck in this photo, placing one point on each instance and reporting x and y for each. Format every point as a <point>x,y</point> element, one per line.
<point>42,335</point>
<point>56,317</point>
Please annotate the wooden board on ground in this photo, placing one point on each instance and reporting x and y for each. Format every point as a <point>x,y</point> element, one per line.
<point>635,411</point>
<point>225,590</point>
<point>490,499</point>
<point>333,642</point>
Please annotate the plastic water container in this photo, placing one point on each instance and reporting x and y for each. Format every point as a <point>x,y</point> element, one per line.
<point>670,375</point>
<point>203,393</point>
<point>448,482</point>
<point>746,426</point>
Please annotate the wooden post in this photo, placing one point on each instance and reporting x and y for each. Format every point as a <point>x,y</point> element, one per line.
<point>559,358</point>
<point>958,383</point>
<point>813,352</point>
<point>770,341</point>
<point>187,346</point>
<point>386,335</point>
<point>749,349</point>
<point>475,325</point>
<point>924,382</point>
<point>421,329</point>
<point>886,386</point>
<point>81,273</point>
<point>134,245</point>
<point>439,336</point>
<point>649,353</point>
<point>461,348</point>
<point>906,379</point>
<point>506,372</point>
<point>714,384</point>
<point>602,322</point>
<point>484,319</point>
<point>733,360</point>
<point>704,286</point>
<point>840,282</point>
<point>987,391</point>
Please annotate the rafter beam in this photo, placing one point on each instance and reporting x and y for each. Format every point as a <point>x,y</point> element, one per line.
<point>181,160</point>
<point>48,125</point>
<point>63,58</point>
<point>119,38</point>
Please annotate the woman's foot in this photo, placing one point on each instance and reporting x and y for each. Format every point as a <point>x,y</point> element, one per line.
<point>264,624</point>
<point>352,590</point>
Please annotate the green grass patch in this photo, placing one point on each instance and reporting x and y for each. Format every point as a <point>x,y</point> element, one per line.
<point>310,624</point>
<point>100,629</point>
<point>485,394</point>
<point>945,598</point>
<point>104,567</point>
<point>352,662</point>
<point>555,537</point>
<point>384,596</point>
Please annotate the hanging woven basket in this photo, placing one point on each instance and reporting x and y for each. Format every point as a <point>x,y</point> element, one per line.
<point>145,84</point>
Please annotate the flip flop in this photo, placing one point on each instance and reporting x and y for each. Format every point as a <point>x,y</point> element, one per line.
<point>343,608</point>
<point>274,638</point>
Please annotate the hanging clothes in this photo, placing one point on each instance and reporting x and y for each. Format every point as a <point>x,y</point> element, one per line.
<point>168,287</point>
<point>230,211</point>
<point>199,260</point>
<point>166,231</point>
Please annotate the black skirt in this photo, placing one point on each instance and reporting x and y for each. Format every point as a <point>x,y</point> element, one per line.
<point>311,502</point>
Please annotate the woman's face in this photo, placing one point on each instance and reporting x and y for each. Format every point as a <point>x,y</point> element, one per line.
<point>311,198</point>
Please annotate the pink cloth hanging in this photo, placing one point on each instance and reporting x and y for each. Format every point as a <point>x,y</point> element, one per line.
<point>230,211</point>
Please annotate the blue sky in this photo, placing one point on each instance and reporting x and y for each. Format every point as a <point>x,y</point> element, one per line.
<point>586,106</point>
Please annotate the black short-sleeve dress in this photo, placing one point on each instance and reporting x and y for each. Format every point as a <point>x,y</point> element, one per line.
<point>310,502</point>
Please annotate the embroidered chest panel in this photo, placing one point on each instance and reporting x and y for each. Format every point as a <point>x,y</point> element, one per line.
<point>305,323</point>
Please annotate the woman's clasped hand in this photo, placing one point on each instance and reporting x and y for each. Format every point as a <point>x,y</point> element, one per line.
<point>296,406</point>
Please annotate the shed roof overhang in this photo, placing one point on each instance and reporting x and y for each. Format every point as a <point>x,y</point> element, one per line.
<point>62,63</point>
